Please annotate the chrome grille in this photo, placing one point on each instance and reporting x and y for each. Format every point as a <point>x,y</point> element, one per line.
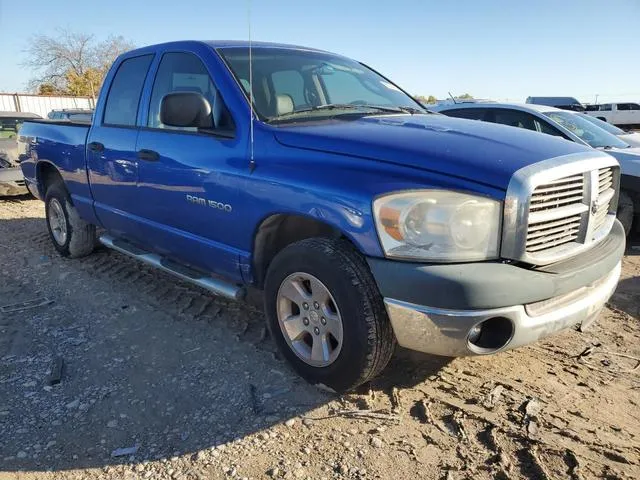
<point>558,208</point>
<point>555,213</point>
<point>606,193</point>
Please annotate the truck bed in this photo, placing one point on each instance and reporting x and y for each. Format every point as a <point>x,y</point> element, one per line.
<point>60,122</point>
<point>60,143</point>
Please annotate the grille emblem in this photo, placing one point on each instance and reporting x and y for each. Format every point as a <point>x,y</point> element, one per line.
<point>594,207</point>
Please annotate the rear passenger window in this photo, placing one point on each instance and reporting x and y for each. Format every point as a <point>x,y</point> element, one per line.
<point>469,113</point>
<point>123,99</point>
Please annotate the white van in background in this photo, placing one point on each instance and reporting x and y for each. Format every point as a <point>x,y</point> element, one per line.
<point>625,114</point>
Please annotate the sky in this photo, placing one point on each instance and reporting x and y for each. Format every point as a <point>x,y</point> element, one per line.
<point>495,49</point>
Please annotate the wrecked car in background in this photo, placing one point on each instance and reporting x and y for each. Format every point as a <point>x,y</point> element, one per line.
<point>11,178</point>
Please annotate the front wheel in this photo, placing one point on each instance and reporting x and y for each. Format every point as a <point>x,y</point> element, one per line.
<point>71,236</point>
<point>326,315</point>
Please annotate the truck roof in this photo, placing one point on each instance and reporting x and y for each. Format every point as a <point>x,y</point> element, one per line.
<point>222,44</point>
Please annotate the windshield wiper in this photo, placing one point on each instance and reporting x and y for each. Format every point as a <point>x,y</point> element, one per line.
<point>351,106</point>
<point>392,109</point>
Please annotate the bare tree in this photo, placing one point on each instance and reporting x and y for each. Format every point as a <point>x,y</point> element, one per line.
<point>68,56</point>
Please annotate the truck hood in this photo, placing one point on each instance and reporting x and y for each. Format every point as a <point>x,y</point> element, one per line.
<point>478,151</point>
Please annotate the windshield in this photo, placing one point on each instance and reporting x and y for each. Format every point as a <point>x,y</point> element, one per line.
<point>612,129</point>
<point>294,84</point>
<point>587,131</point>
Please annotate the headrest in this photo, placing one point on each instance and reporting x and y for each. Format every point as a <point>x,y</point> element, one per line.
<point>284,104</point>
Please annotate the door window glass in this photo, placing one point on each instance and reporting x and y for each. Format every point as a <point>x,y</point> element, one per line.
<point>185,72</point>
<point>514,118</point>
<point>124,95</point>
<point>470,113</point>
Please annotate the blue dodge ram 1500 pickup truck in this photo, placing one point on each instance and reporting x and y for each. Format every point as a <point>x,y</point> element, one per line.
<point>364,219</point>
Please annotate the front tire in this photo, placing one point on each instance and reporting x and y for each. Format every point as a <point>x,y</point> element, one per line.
<point>326,315</point>
<point>71,236</point>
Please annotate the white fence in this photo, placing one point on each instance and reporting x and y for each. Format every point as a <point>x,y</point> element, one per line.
<point>41,104</point>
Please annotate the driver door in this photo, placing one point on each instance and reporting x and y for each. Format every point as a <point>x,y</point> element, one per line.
<point>187,191</point>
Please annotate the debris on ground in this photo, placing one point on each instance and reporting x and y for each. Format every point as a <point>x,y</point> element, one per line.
<point>55,372</point>
<point>493,397</point>
<point>126,451</point>
<point>29,304</point>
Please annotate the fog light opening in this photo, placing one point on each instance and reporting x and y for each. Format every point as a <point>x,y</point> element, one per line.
<point>490,335</point>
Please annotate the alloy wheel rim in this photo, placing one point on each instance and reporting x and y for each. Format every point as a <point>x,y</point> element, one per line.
<point>309,319</point>
<point>57,222</point>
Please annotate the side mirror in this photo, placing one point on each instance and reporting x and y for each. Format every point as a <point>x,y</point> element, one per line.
<point>186,109</point>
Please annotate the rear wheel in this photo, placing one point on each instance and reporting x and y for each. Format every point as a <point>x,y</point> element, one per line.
<point>71,236</point>
<point>326,315</point>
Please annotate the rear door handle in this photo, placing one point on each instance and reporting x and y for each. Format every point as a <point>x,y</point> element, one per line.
<point>148,155</point>
<point>96,146</point>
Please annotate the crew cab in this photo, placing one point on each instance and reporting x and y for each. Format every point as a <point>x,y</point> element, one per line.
<point>364,219</point>
<point>622,114</point>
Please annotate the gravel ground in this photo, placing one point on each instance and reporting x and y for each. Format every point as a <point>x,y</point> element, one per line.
<point>162,381</point>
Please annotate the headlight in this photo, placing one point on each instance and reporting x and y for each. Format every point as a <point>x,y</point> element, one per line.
<point>438,225</point>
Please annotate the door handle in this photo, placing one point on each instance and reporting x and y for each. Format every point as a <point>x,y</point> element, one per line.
<point>148,155</point>
<point>96,146</point>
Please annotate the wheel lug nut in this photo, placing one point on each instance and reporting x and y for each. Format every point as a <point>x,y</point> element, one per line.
<point>305,305</point>
<point>316,305</point>
<point>316,330</point>
<point>323,321</point>
<point>305,320</point>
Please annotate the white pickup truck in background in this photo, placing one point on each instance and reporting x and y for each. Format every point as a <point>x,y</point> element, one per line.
<point>623,114</point>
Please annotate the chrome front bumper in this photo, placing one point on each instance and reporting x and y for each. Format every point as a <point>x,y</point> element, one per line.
<point>446,332</point>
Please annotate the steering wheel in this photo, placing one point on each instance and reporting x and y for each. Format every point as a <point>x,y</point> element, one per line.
<point>311,96</point>
<point>358,102</point>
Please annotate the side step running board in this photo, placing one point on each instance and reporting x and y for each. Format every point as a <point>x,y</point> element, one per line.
<point>218,287</point>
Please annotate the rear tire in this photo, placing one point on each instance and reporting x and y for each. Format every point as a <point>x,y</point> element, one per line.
<point>335,271</point>
<point>625,212</point>
<point>71,236</point>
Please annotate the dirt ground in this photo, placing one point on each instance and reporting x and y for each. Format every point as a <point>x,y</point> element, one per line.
<point>192,388</point>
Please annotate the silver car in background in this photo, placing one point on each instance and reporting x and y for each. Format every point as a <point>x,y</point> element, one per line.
<point>632,138</point>
<point>572,126</point>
